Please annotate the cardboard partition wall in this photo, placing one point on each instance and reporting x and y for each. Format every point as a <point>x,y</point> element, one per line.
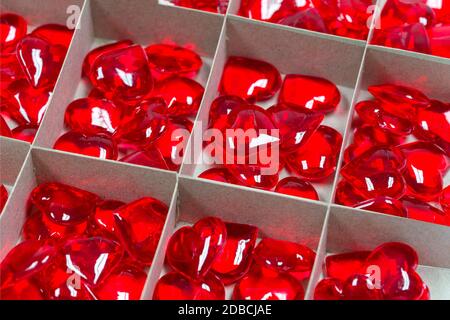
<point>294,52</point>
<point>142,21</point>
<point>108,179</point>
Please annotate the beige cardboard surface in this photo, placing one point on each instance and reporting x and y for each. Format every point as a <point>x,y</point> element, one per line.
<point>12,157</point>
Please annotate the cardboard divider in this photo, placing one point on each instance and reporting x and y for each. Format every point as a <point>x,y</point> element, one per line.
<point>108,179</point>
<point>279,217</point>
<point>349,230</point>
<point>144,22</point>
<point>298,51</point>
<point>12,157</point>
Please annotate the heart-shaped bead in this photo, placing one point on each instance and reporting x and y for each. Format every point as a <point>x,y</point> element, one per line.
<point>55,34</point>
<point>444,199</point>
<point>259,284</point>
<point>166,60</point>
<point>424,211</point>
<point>252,80</point>
<point>27,104</point>
<point>317,159</point>
<point>328,289</point>
<point>123,72</point>
<point>97,52</point>
<point>182,95</point>
<point>385,205</point>
<point>347,195</point>
<point>309,93</point>
<point>297,187</point>
<point>4,128</point>
<point>191,250</point>
<point>91,116</point>
<point>40,61</point>
<point>343,265</point>
<point>125,283</point>
<point>296,127</point>
<point>425,164</point>
<point>25,132</point>
<point>306,19</point>
<point>139,225</point>
<point>361,287</point>
<point>150,157</point>
<point>285,256</point>
<point>102,222</point>
<point>25,260</point>
<point>399,100</point>
<point>175,286</point>
<point>98,145</point>
<point>220,109</point>
<point>12,28</point>
<point>405,286</point>
<point>392,259</point>
<point>235,260</point>
<point>371,113</point>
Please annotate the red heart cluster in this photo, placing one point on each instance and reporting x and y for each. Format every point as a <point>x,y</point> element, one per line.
<point>347,18</point>
<point>139,105</point>
<point>213,253</point>
<point>29,68</point>
<point>388,272</point>
<point>78,246</point>
<point>219,6</point>
<point>422,26</point>
<point>381,172</point>
<point>307,149</point>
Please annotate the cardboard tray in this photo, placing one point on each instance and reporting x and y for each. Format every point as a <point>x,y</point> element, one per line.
<point>325,227</point>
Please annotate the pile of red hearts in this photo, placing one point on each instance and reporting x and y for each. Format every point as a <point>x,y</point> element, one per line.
<point>422,26</point>
<point>29,68</point>
<point>3,197</point>
<point>219,6</point>
<point>78,246</point>
<point>386,273</point>
<point>140,100</point>
<point>307,149</point>
<point>382,173</point>
<point>213,253</point>
<point>347,18</point>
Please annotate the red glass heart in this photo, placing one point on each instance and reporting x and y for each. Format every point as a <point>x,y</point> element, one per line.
<point>285,256</point>
<point>433,123</point>
<point>261,285</point>
<point>252,80</point>
<point>217,174</point>
<point>383,205</point>
<point>4,128</point>
<point>406,286</point>
<point>361,287</point>
<point>297,187</point>
<point>26,104</point>
<point>166,60</point>
<point>343,265</point>
<point>235,260</point>
<point>317,159</point>
<point>91,116</point>
<point>98,145</point>
<point>55,34</point>
<point>40,61</point>
<point>191,250</point>
<point>103,219</point>
<point>400,100</point>
<point>423,211</point>
<point>352,19</point>
<point>12,28</point>
<point>139,225</point>
<point>392,259</point>
<point>328,289</point>
<point>254,176</point>
<point>175,286</point>
<point>372,113</point>
<point>444,199</point>
<point>123,72</point>
<point>24,260</point>
<point>310,93</point>
<point>97,52</point>
<point>309,19</point>
<point>182,95</point>
<point>347,195</point>
<point>296,127</point>
<point>221,107</point>
<point>125,283</point>
<point>25,132</point>
<point>423,172</point>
